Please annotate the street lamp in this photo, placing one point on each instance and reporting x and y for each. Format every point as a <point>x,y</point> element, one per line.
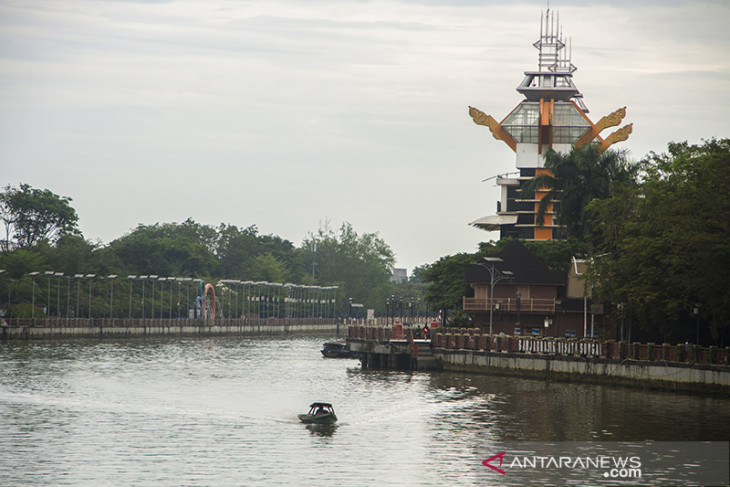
<point>58,293</point>
<point>277,304</point>
<point>179,291</point>
<point>131,282</point>
<point>495,275</point>
<point>620,307</point>
<point>90,277</point>
<point>143,279</point>
<point>68,296</point>
<point>393,303</point>
<point>48,298</point>
<point>697,314</point>
<point>111,304</point>
<point>152,306</point>
<point>32,280</point>
<point>77,313</point>
<point>162,294</point>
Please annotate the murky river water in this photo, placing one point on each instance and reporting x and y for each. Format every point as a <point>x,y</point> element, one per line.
<point>222,412</point>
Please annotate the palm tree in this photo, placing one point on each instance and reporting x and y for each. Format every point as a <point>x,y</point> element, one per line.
<point>575,179</point>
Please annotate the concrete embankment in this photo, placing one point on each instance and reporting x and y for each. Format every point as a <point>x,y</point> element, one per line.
<point>704,378</point>
<point>122,328</point>
<point>681,367</point>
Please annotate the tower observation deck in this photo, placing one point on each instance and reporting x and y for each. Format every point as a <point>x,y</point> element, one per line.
<point>552,115</point>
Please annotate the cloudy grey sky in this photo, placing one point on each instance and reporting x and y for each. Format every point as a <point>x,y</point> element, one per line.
<point>288,113</point>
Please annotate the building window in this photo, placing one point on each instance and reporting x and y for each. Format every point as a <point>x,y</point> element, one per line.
<point>522,123</point>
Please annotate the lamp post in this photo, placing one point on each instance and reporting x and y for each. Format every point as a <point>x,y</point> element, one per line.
<point>90,277</point>
<point>111,298</point>
<point>32,280</point>
<point>152,306</point>
<point>495,275</point>
<point>179,289</point>
<point>697,314</point>
<point>389,306</point>
<point>58,293</point>
<point>49,274</point>
<point>387,311</point>
<point>620,307</point>
<point>68,296</point>
<point>77,312</point>
<point>143,279</point>
<point>131,282</point>
<point>162,293</point>
<point>277,305</point>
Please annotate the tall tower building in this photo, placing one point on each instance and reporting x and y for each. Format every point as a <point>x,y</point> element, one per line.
<point>551,115</point>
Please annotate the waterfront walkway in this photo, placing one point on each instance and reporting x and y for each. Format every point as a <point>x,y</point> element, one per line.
<point>54,328</point>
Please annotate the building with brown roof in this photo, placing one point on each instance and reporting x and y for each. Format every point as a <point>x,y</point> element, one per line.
<point>515,293</point>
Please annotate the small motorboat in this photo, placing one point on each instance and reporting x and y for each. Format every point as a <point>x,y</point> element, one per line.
<point>337,349</point>
<point>319,413</point>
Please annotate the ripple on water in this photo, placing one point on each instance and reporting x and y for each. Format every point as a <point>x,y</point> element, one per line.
<point>223,412</point>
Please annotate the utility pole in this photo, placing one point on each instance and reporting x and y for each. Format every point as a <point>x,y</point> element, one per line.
<point>314,257</point>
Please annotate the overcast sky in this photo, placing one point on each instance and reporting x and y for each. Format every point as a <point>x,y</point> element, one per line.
<point>288,113</point>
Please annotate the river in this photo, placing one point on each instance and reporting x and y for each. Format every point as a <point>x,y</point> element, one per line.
<point>222,412</point>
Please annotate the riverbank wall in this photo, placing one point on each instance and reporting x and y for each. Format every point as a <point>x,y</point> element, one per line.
<point>51,329</point>
<point>683,367</point>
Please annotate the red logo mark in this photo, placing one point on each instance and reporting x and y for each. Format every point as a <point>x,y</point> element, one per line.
<point>486,463</point>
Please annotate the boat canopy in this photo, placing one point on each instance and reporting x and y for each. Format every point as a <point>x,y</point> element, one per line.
<point>318,404</point>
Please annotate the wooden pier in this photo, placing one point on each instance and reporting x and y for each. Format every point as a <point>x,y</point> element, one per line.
<point>394,347</point>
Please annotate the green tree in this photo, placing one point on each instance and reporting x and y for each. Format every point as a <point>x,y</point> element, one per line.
<point>32,215</point>
<point>575,179</point>
<point>361,265</point>
<point>240,252</point>
<point>266,267</point>
<point>73,254</point>
<point>665,246</point>
<point>22,261</point>
<point>446,284</point>
<point>168,249</point>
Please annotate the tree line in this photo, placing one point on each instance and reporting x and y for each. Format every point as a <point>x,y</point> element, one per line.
<point>42,236</point>
<point>656,234</point>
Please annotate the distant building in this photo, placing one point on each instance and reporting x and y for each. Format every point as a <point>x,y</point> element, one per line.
<point>552,115</point>
<point>399,275</point>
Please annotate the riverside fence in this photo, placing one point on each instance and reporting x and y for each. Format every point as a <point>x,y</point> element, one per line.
<point>683,367</point>
<point>476,340</point>
<point>52,328</point>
